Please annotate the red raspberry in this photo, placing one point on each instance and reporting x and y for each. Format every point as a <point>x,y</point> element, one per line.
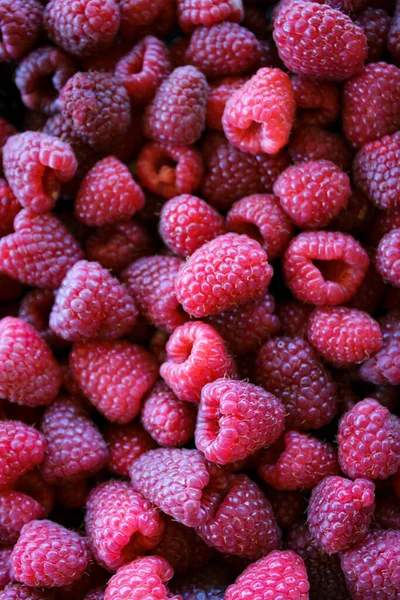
<point>169,421</point>
<point>35,308</point>
<point>125,444</point>
<point>235,420</point>
<point>327,45</point>
<point>187,222</point>
<point>143,69</point>
<point>393,42</point>
<point>151,282</point>
<point>290,370</point>
<point>75,448</point>
<point>387,513</point>
<point>72,494</point>
<point>310,143</point>
<point>318,102</point>
<point>246,327</point>
<point>388,257</point>
<point>82,27</point>
<point>196,356</point>
<point>356,216</point>
<point>20,27</point>
<point>375,22</point>
<point>97,108</point>
<point>293,316</point>
<point>181,483</point>
<point>48,555</point>
<point>288,507</point>
<point>383,223</point>
<point>208,583</point>
<point>208,12</point>
<point>16,510</point>
<point>376,171</point>
<point>177,114</point>
<point>141,17</point>
<point>299,462</point>
<point>114,376</point>
<point>344,336</point>
<point>35,164</point>
<point>19,591</point>
<point>323,267</point>
<point>6,131</point>
<point>258,117</point>
<point>21,449</point>
<point>5,575</point>
<point>232,174</point>
<point>220,92</point>
<point>384,367</point>
<point>223,49</point>
<point>369,441</point>
<point>278,574</point>
<point>371,567</point>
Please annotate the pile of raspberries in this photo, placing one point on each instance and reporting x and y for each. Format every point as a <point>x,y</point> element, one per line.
<point>199,300</point>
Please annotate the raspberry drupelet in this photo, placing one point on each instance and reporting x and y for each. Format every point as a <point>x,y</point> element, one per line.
<point>388,257</point>
<point>384,367</point>
<point>208,12</point>
<point>220,92</point>
<point>318,102</point>
<point>311,143</point>
<point>21,449</point>
<point>20,27</point>
<point>125,444</point>
<point>16,510</point>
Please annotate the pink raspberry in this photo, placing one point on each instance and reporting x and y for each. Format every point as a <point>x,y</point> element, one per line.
<point>178,112</point>
<point>75,448</point>
<point>224,49</point>
<point>384,367</point>
<point>235,420</point>
<point>369,441</point>
<point>258,117</point>
<point>125,444</point>
<point>323,267</point>
<point>48,555</point>
<point>208,12</point>
<point>298,462</point>
<point>120,524</point>
<point>289,369</point>
<point>318,102</point>
<point>383,223</point>
<point>35,308</point>
<point>208,583</point>
<point>21,449</point>
<point>371,567</point>
<point>220,92</point>
<point>19,591</point>
<point>5,575</point>
<point>393,41</point>
<point>143,69</point>
<point>310,143</point>
<point>288,507</point>
<point>169,421</point>
<point>327,45</point>
<point>16,510</point>
<point>35,164</point>
<point>293,316</point>
<point>141,17</point>
<point>83,27</point>
<point>278,574</point>
<point>72,494</point>
<point>375,22</point>
<point>387,512</point>
<point>151,283</point>
<point>388,257</point>
<point>187,222</point>
<point>344,336</point>
<point>20,27</point>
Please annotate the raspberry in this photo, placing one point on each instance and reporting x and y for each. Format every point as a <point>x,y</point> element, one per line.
<point>293,316</point>
<point>208,583</point>
<point>19,591</point>
<point>220,92</point>
<point>125,444</point>
<point>387,513</point>
<point>35,308</point>
<point>223,49</point>
<point>5,576</point>
<point>310,143</point>
<point>29,374</point>
<point>393,42</point>
<point>384,367</point>
<point>169,170</point>
<point>6,131</point>
<point>388,257</point>
<point>22,448</point>
<point>181,483</point>
<point>20,27</point>
<point>327,45</point>
<point>140,18</point>
<point>323,267</point>
<point>83,27</point>
<point>383,223</point>
<point>369,295</point>
<point>299,462</point>
<point>290,370</point>
<point>75,448</point>
<point>356,215</point>
<point>91,304</point>
<point>288,507</point>
<point>187,222</point>
<point>177,114</point>
<point>208,12</point>
<point>120,524</point>
<point>48,555</point>
<point>376,171</point>
<point>235,420</point>
<point>35,164</point>
<point>278,574</point>
<point>258,117</point>
<point>142,579</point>
<point>375,22</point>
<point>16,510</point>
<point>369,442</point>
<point>318,102</point>
<point>344,336</point>
<point>371,567</point>
<point>97,108</point>
<point>169,421</point>
<point>143,69</point>
<point>151,283</point>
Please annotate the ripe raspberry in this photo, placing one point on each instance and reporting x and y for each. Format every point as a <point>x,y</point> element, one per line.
<point>208,12</point>
<point>288,507</point>
<point>169,421</point>
<point>344,336</point>
<point>323,267</point>
<point>371,567</point>
<point>48,555</point>
<point>393,42</point>
<point>298,462</point>
<point>16,510</point>
<point>208,583</point>
<point>83,27</point>
<point>328,45</point>
<point>356,216</point>
<point>290,370</point>
<point>97,108</point>
<point>151,283</point>
<point>140,18</point>
<point>384,367</point>
<point>258,117</point>
<point>310,143</point>
<point>318,102</point>
<point>125,444</point>
<point>223,49</point>
<point>220,92</point>
<point>187,222</point>
<point>35,164</point>
<point>75,448</point>
<point>5,575</point>
<point>278,574</point>
<point>375,22</point>
<point>142,579</point>
<point>369,441</point>
<point>19,591</point>
<point>178,112</point>
<point>20,27</point>
<point>293,316</point>
<point>376,171</point>
<point>387,513</point>
<point>388,257</point>
<point>21,449</point>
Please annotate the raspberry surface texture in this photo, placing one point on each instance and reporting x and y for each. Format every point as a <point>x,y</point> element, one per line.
<point>318,102</point>
<point>20,25</point>
<point>387,257</point>
<point>384,367</point>
<point>125,444</point>
<point>22,449</point>
<point>312,143</point>
<point>208,12</point>
<point>17,510</point>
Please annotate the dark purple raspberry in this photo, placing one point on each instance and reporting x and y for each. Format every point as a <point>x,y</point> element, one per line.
<point>20,27</point>
<point>375,22</point>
